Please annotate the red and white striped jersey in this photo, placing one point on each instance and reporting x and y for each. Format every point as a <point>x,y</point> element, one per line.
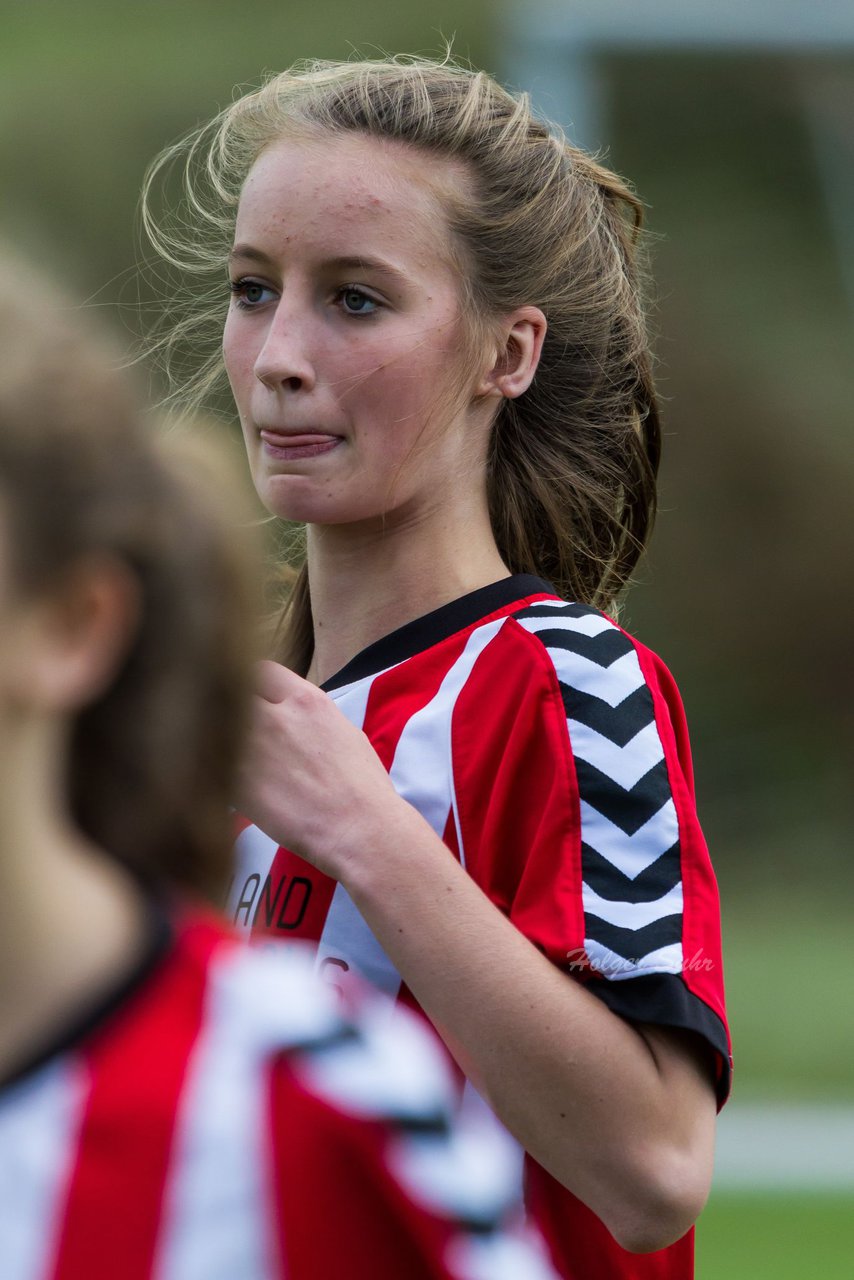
<point>222,1117</point>
<point>549,750</point>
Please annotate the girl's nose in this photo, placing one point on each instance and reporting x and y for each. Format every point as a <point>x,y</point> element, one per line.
<point>283,361</point>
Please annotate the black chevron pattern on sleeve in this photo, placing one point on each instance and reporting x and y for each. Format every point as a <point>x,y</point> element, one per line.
<point>633,944</point>
<point>631,865</point>
<point>619,723</point>
<point>661,877</point>
<point>629,808</point>
<point>602,649</point>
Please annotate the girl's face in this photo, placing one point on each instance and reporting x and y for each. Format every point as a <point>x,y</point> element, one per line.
<point>344,331</point>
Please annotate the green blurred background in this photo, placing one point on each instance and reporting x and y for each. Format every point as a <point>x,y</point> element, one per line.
<point>747,591</point>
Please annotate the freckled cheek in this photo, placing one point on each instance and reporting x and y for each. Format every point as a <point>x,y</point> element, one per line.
<point>229,359</point>
<point>359,379</point>
<point>239,360</point>
<point>411,386</point>
<point>229,336</point>
<point>378,397</point>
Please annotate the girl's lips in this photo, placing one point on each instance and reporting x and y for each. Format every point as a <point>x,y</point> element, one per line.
<point>305,445</point>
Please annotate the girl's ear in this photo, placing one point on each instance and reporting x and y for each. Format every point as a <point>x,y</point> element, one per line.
<point>79,635</point>
<point>521,344</point>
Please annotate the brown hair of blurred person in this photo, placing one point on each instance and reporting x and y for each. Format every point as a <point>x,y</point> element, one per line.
<point>534,220</point>
<point>87,496</point>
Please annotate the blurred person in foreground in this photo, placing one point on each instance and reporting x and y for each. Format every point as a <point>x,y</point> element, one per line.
<point>161,1113</point>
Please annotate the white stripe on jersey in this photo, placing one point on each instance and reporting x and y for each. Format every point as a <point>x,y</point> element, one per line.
<point>617,968</point>
<point>39,1122</point>
<point>626,764</point>
<point>254,853</point>
<point>346,940</point>
<point>352,699</point>
<point>422,773</point>
<point>633,915</point>
<point>630,854</point>
<point>500,1257</point>
<point>589,624</point>
<point>422,769</point>
<point>394,1069</point>
<point>215,1216</point>
<point>475,1175</point>
<point>217,1220</point>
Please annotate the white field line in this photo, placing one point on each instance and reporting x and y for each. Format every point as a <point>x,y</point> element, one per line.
<point>785,1147</point>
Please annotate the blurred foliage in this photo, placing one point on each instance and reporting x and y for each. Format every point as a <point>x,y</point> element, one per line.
<point>747,592</point>
<point>90,91</point>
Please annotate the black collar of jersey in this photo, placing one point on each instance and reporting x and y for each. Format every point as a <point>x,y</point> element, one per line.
<point>83,1020</point>
<point>422,633</point>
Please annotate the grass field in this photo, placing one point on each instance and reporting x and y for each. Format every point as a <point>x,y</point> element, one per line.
<point>792,1041</point>
<point>776,1237</point>
<point>793,1034</point>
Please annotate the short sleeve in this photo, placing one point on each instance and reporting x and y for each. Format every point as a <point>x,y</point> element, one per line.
<point>375,1175</point>
<point>576,814</point>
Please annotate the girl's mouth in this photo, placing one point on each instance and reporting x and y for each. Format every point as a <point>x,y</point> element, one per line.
<point>278,444</point>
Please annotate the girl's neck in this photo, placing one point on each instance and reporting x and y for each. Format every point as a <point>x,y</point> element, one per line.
<point>366,583</point>
<point>71,921</point>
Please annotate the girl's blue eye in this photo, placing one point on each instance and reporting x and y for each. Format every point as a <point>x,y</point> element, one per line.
<point>355,302</point>
<point>250,293</point>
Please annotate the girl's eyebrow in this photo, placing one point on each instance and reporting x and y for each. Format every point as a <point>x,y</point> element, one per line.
<point>349,262</point>
<point>361,262</point>
<point>248,251</point>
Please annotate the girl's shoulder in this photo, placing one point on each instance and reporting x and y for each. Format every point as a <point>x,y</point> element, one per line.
<point>562,684</point>
<point>577,651</point>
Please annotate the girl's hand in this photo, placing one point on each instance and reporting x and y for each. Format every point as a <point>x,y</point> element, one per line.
<point>310,779</point>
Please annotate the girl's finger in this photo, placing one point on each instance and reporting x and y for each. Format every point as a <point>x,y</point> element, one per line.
<point>273,682</point>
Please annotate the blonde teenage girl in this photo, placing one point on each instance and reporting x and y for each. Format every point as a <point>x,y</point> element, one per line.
<point>466,782</point>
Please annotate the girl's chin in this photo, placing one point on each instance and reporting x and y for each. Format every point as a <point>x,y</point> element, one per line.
<point>308,501</point>
<point>308,508</point>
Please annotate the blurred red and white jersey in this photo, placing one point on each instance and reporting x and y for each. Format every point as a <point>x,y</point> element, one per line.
<point>221,1116</point>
